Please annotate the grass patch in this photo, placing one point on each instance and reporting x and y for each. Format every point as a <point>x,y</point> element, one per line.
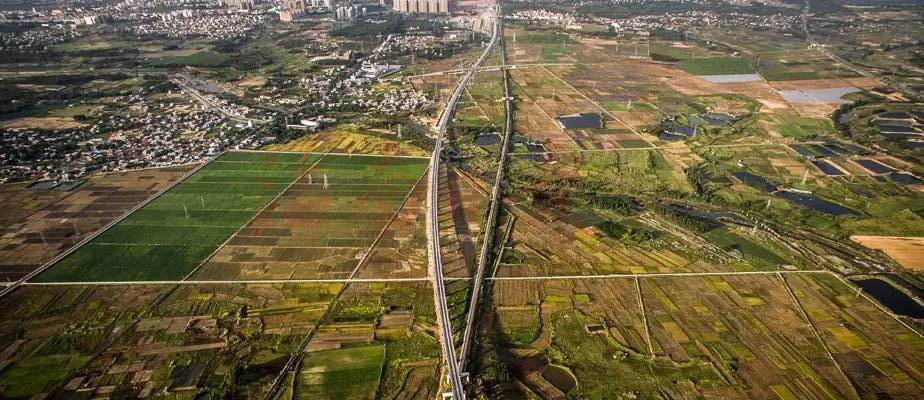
<point>716,66</point>
<point>349,373</point>
<point>200,59</point>
<point>35,375</point>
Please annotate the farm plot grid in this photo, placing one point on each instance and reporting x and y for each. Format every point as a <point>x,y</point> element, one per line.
<point>172,234</point>
<point>323,225</point>
<point>32,240</point>
<point>177,232</point>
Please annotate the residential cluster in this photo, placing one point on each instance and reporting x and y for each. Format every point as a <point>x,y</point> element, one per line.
<point>152,135</point>
<point>644,24</point>
<point>37,39</point>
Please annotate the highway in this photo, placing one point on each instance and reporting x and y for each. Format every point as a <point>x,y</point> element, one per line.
<point>436,264</point>
<point>487,242</point>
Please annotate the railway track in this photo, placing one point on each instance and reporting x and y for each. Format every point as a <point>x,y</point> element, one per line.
<point>436,264</point>
<point>487,242</point>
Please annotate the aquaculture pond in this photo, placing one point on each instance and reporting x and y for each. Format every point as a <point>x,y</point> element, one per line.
<point>755,180</point>
<point>487,139</point>
<point>891,297</point>
<point>906,179</point>
<point>875,166</point>
<point>828,168</point>
<point>816,203</point>
<point>581,121</point>
<point>805,200</point>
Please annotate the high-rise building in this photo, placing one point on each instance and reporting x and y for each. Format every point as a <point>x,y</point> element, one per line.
<point>421,6</point>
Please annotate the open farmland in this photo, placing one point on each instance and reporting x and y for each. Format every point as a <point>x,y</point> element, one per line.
<point>58,220</point>
<point>171,235</point>
<point>712,337</point>
<point>228,339</point>
<point>49,333</point>
<point>375,343</point>
<point>323,225</point>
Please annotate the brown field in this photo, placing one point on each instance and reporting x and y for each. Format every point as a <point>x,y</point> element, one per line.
<point>19,201</point>
<point>44,123</point>
<point>771,101</point>
<point>810,84</point>
<point>461,213</point>
<point>907,251</point>
<point>402,250</point>
<point>50,230</point>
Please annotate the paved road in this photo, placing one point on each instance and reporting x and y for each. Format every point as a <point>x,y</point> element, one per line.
<point>436,264</point>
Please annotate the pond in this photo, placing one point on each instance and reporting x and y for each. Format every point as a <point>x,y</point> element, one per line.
<point>828,168</point>
<point>875,166</point>
<point>487,139</point>
<point>559,377</point>
<point>816,203</point>
<point>581,121</point>
<point>905,179</point>
<point>731,78</point>
<point>894,299</point>
<point>755,180</point>
<point>828,95</point>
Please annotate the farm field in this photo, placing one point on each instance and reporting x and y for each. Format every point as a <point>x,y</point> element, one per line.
<point>51,221</point>
<point>716,337</point>
<point>49,333</point>
<point>375,343</point>
<point>350,139</point>
<point>233,194</point>
<point>195,339</point>
<point>171,235</point>
<point>323,225</point>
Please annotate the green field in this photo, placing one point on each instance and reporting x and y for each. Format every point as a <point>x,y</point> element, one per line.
<point>716,66</point>
<point>200,59</point>
<point>349,373</point>
<point>170,236</point>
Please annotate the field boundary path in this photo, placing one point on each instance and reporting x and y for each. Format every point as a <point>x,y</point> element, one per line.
<point>12,286</point>
<point>488,239</point>
<point>296,358</point>
<point>252,218</point>
<point>433,232</point>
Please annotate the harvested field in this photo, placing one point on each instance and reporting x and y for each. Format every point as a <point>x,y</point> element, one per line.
<point>59,220</point>
<point>402,251</point>
<point>44,123</point>
<point>21,201</point>
<point>907,251</point>
<point>350,139</point>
